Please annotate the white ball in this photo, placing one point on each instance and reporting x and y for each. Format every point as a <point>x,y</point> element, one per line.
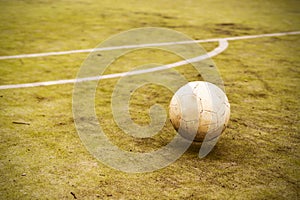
<point>199,109</point>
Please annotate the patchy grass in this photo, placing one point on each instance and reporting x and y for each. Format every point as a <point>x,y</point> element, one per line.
<point>256,158</point>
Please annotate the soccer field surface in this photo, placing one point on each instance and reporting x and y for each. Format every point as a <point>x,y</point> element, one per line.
<point>45,43</point>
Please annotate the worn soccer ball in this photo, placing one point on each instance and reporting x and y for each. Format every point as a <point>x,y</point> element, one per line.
<point>199,109</point>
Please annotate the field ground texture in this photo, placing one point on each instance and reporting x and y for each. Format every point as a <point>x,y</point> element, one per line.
<point>257,157</point>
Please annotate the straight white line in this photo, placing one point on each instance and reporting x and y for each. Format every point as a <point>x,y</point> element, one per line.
<point>144,45</point>
<point>223,44</point>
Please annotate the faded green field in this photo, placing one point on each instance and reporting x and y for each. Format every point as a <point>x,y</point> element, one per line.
<point>257,157</point>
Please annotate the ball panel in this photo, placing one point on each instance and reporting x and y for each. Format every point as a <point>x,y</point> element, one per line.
<point>191,107</point>
<point>175,112</point>
<point>188,129</point>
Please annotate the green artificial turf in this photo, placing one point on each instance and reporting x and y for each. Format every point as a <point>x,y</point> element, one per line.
<point>257,157</point>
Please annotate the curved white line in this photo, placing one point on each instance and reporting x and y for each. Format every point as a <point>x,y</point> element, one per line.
<point>144,45</point>
<point>223,44</point>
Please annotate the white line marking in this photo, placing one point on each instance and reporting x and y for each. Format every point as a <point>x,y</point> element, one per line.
<point>223,44</point>
<point>144,45</point>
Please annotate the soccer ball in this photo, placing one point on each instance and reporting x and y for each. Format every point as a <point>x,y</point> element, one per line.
<point>199,109</point>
